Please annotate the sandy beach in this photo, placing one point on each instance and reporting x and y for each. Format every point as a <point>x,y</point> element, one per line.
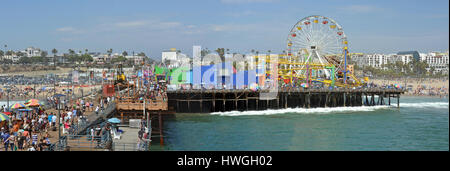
<point>418,87</point>
<point>19,92</point>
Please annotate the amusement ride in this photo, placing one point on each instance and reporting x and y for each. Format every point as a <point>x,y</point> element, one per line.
<point>317,50</point>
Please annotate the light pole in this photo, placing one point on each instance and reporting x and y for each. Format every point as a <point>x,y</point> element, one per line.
<point>59,122</point>
<point>58,106</point>
<point>7,98</point>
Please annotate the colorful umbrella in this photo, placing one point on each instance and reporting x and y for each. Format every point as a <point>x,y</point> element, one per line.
<point>6,113</point>
<point>32,101</point>
<point>304,85</point>
<point>3,117</point>
<point>32,104</point>
<point>17,106</point>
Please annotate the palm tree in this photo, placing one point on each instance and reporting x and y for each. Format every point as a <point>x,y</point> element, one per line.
<point>86,50</point>
<point>71,55</point>
<point>124,53</point>
<point>109,51</point>
<point>221,53</point>
<point>54,51</point>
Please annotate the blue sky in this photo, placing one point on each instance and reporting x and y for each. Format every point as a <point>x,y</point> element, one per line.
<point>240,25</point>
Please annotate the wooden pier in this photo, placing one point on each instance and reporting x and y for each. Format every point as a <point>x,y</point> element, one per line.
<point>127,108</point>
<point>207,101</point>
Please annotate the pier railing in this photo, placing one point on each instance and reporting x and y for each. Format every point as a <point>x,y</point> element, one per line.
<point>149,105</point>
<point>294,89</point>
<point>82,143</point>
<point>142,146</point>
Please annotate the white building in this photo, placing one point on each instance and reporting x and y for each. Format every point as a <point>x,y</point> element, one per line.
<point>196,52</point>
<point>380,60</point>
<point>376,60</point>
<point>438,61</point>
<point>31,52</point>
<point>174,59</point>
<point>136,59</point>
<point>169,55</point>
<point>12,57</point>
<point>405,59</point>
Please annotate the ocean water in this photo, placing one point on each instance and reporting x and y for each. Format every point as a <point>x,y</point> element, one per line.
<point>420,124</point>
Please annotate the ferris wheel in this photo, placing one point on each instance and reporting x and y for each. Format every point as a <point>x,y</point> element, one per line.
<point>317,39</point>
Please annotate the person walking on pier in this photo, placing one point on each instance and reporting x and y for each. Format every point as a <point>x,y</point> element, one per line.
<point>91,107</point>
<point>86,106</point>
<point>98,133</point>
<point>92,134</point>
<point>140,142</point>
<point>101,104</point>
<point>5,138</point>
<point>96,110</point>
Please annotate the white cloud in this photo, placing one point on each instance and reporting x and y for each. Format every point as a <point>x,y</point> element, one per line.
<point>131,24</point>
<point>65,29</point>
<point>69,30</point>
<point>166,25</point>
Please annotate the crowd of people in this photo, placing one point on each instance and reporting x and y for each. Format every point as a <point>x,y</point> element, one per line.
<point>435,87</point>
<point>28,131</point>
<point>22,92</point>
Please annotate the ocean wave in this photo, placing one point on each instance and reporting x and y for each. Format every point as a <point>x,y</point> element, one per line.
<point>303,111</point>
<point>424,105</point>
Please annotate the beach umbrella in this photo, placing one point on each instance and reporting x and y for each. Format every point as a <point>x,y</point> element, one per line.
<point>3,117</point>
<point>32,101</point>
<point>304,85</point>
<point>114,120</point>
<point>6,113</point>
<point>32,104</point>
<point>17,106</point>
